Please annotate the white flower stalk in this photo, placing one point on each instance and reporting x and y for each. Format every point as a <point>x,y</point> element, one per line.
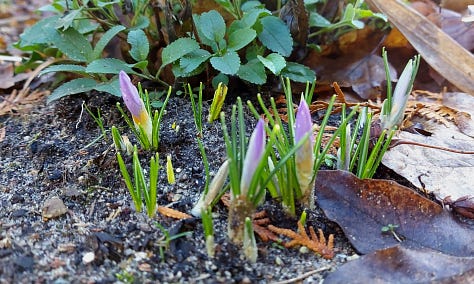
<point>304,157</point>
<point>216,185</point>
<point>135,105</point>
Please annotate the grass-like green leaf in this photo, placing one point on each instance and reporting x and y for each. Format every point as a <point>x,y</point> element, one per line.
<point>178,49</point>
<point>228,63</point>
<point>276,35</point>
<point>139,44</point>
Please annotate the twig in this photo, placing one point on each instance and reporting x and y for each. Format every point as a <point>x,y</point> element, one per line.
<point>406,142</point>
<point>306,275</point>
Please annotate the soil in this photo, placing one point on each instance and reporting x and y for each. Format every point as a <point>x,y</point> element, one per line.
<point>55,150</point>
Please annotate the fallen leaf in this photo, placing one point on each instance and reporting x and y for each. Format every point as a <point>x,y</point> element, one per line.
<point>352,63</point>
<point>439,50</point>
<point>363,207</point>
<point>402,265</point>
<point>441,172</point>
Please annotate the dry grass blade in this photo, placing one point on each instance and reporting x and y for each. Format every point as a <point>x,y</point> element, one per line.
<point>21,100</point>
<point>318,245</point>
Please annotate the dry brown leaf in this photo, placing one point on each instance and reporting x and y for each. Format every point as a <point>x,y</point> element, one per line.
<point>172,213</point>
<point>301,238</point>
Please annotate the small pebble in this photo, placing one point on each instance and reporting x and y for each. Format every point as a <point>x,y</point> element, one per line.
<point>88,257</point>
<point>53,207</point>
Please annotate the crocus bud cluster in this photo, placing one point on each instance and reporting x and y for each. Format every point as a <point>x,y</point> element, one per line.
<point>304,157</point>
<point>135,105</point>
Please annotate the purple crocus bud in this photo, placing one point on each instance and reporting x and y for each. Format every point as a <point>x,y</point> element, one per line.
<point>304,157</point>
<point>254,155</point>
<point>135,104</point>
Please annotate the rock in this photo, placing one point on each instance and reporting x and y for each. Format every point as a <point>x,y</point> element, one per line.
<point>88,257</point>
<point>53,207</point>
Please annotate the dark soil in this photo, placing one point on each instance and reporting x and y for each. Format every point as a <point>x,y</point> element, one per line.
<point>53,151</point>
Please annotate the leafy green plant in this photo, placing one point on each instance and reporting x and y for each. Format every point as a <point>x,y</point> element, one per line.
<point>219,46</point>
<point>139,188</point>
<point>77,35</point>
<point>390,228</point>
<point>167,238</point>
<point>349,20</point>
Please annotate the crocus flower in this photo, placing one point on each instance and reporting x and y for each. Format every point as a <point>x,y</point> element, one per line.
<point>253,156</point>
<point>135,105</point>
<point>304,156</point>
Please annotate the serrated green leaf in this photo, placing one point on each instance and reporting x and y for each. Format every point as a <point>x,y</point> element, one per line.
<point>192,60</point>
<point>139,45</point>
<point>178,49</point>
<point>212,25</point>
<point>253,71</point>
<point>104,40</point>
<point>64,68</point>
<point>241,38</point>
<point>179,72</point>
<point>276,35</point>
<point>316,20</point>
<point>229,63</point>
<point>109,66</point>
<point>66,21</point>
<point>274,62</point>
<point>111,87</point>
<point>73,44</point>
<point>298,72</point>
<point>248,20</point>
<point>72,87</point>
<point>39,33</point>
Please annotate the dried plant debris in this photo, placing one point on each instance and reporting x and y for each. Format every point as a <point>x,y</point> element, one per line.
<point>312,242</point>
<point>22,100</point>
<point>172,213</point>
<point>260,223</point>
